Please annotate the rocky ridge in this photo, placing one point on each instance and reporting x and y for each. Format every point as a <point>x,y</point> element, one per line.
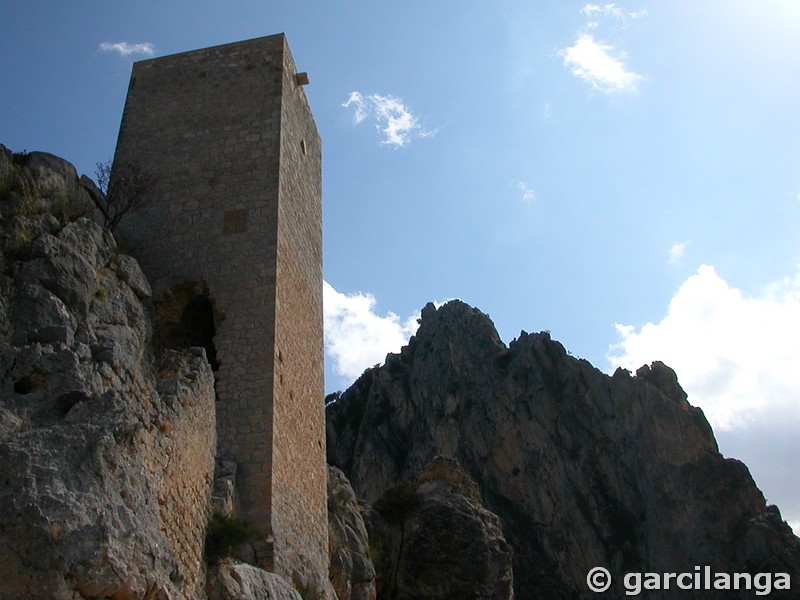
<point>581,468</point>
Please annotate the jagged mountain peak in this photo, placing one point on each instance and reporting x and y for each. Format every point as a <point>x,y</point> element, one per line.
<point>584,469</point>
<point>453,319</point>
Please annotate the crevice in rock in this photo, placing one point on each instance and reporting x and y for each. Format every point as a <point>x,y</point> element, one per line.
<point>26,385</point>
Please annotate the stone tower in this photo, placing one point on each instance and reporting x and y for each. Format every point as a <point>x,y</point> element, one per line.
<point>231,240</point>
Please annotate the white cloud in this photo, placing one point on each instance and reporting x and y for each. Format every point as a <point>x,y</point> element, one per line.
<point>736,356</point>
<point>356,337</point>
<point>391,116</point>
<point>609,10</point>
<point>677,251</point>
<point>528,193</point>
<point>126,49</point>
<point>595,63</point>
<point>612,10</point>
<point>357,100</point>
<point>600,63</point>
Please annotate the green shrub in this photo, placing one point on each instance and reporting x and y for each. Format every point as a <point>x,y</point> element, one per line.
<point>309,592</point>
<point>18,158</point>
<point>17,244</point>
<point>338,500</point>
<point>397,501</point>
<point>15,184</point>
<point>226,535</point>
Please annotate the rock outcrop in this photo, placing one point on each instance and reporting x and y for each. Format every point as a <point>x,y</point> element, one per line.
<point>240,581</point>
<point>583,469</point>
<point>106,457</point>
<point>351,571</point>
<point>41,183</point>
<point>433,539</point>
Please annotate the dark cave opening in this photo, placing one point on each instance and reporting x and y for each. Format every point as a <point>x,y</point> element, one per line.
<point>26,385</point>
<point>196,328</point>
<point>186,317</point>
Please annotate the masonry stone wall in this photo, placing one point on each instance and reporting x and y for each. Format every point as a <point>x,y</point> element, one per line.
<point>236,211</point>
<point>299,460</point>
<point>179,461</point>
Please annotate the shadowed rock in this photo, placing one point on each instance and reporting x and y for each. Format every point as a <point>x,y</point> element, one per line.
<point>583,469</point>
<point>434,540</point>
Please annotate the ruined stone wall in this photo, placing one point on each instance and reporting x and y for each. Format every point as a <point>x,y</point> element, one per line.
<point>178,458</point>
<point>220,128</point>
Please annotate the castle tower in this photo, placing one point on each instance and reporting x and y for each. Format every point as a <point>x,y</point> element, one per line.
<point>231,240</point>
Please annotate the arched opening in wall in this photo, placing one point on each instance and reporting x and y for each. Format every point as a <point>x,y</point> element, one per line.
<point>186,317</point>
<point>197,328</point>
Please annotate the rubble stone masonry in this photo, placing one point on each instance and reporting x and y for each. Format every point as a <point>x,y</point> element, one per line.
<point>178,459</point>
<point>236,212</point>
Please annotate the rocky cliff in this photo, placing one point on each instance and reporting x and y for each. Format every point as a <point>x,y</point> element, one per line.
<point>105,455</point>
<point>107,448</point>
<point>582,469</point>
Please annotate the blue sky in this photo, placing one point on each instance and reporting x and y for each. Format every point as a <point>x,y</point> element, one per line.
<point>625,175</point>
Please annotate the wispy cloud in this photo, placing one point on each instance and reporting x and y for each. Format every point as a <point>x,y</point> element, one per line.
<point>736,355</point>
<point>677,251</point>
<point>593,11</point>
<point>596,64</point>
<point>390,116</point>
<point>609,10</point>
<point>528,193</point>
<point>356,336</point>
<point>600,63</point>
<point>126,49</point>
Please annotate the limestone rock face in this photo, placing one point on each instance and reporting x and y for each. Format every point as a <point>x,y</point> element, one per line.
<point>351,571</point>
<point>433,539</point>
<point>106,458</point>
<point>582,469</point>
<point>240,581</point>
<point>38,182</point>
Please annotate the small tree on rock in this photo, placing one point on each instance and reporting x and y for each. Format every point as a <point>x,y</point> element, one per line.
<point>123,189</point>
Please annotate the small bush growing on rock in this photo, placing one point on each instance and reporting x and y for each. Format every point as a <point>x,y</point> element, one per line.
<point>309,592</point>
<point>18,239</point>
<point>14,183</point>
<point>27,207</point>
<point>397,501</point>
<point>338,500</point>
<point>124,191</point>
<point>225,535</point>
<point>18,158</point>
<point>394,506</point>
